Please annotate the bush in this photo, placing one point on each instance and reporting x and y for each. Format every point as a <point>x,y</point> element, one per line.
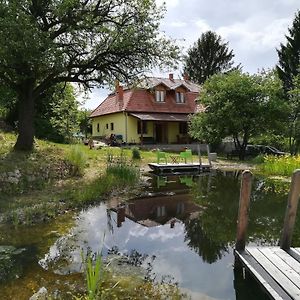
<point>136,153</point>
<point>78,160</point>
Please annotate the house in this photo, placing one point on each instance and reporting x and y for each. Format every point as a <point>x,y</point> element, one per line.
<point>158,210</point>
<point>156,110</point>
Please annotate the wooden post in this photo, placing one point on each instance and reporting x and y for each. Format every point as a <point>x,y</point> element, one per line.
<point>199,156</point>
<point>208,154</point>
<point>244,204</point>
<point>291,211</point>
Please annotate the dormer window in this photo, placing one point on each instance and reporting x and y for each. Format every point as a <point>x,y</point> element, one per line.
<point>180,97</point>
<point>160,96</point>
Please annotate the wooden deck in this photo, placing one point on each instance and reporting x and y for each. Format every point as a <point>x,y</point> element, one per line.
<point>179,168</point>
<point>276,270</point>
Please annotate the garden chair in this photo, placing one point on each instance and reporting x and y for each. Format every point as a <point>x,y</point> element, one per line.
<point>187,154</point>
<point>161,155</point>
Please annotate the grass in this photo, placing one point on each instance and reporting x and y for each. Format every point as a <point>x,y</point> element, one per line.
<point>77,158</point>
<point>41,200</point>
<point>279,166</point>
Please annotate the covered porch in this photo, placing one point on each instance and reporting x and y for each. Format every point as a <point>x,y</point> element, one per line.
<point>161,128</point>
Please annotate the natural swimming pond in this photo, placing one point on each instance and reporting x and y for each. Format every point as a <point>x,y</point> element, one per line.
<point>181,229</point>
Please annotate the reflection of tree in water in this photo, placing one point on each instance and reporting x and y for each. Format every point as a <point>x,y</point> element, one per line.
<point>136,259</point>
<point>214,230</point>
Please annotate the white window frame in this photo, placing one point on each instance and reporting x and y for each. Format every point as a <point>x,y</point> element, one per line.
<point>180,97</point>
<point>160,96</point>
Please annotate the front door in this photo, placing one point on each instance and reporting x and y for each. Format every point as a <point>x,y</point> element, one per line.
<point>161,133</point>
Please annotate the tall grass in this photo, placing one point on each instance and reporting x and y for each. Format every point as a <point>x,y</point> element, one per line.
<point>122,169</point>
<point>78,160</point>
<point>282,166</point>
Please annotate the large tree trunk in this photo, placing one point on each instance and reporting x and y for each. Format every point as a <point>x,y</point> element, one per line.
<point>26,117</point>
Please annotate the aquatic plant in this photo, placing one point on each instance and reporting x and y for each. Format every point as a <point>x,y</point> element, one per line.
<point>78,160</point>
<point>94,275</point>
<point>282,165</point>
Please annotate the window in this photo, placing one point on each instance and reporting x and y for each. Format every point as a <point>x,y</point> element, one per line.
<point>180,97</point>
<point>160,96</point>
<point>111,126</point>
<point>183,128</point>
<point>98,127</point>
<point>160,211</point>
<point>139,127</point>
<point>106,125</point>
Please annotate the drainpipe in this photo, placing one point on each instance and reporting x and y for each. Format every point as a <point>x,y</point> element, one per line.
<point>142,129</point>
<point>126,121</point>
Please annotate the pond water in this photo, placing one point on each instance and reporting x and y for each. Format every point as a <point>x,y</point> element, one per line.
<point>181,229</point>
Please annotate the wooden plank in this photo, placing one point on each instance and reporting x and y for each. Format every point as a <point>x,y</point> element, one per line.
<point>276,273</point>
<point>294,253</point>
<point>244,204</point>
<point>288,259</point>
<point>281,264</point>
<point>291,211</point>
<point>261,276</point>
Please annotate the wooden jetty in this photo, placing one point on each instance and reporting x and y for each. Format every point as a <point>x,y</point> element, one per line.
<point>178,168</point>
<point>276,269</point>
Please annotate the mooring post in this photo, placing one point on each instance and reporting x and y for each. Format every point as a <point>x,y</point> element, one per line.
<point>242,222</point>
<point>208,154</point>
<point>291,212</point>
<point>199,156</point>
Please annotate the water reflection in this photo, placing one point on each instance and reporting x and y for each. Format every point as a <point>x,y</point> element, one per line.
<point>181,229</point>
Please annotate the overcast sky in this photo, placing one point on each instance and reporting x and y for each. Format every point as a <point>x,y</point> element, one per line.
<point>254,29</point>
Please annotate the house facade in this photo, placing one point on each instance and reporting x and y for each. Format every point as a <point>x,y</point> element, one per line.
<point>154,111</point>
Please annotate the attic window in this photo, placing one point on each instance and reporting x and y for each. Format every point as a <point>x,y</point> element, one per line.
<point>160,96</point>
<point>180,97</point>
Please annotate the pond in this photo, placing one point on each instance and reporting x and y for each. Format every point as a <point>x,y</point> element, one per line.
<point>181,229</point>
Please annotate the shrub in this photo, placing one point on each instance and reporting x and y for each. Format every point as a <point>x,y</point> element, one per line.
<point>78,160</point>
<point>136,153</point>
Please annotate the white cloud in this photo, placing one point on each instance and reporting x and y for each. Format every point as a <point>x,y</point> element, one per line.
<point>178,24</point>
<point>202,25</point>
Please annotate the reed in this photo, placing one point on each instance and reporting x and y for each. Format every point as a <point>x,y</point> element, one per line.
<point>281,166</point>
<point>78,160</point>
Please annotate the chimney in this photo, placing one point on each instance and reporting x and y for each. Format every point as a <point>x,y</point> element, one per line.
<point>171,77</point>
<point>186,77</point>
<point>119,93</point>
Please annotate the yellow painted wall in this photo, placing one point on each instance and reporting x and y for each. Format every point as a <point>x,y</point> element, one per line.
<point>118,119</point>
<point>133,135</point>
<point>173,131</point>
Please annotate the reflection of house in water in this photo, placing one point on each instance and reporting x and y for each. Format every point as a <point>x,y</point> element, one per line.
<point>158,210</point>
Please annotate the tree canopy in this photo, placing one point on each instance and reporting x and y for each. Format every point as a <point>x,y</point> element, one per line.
<point>238,105</point>
<point>208,56</point>
<point>88,42</point>
<point>289,55</point>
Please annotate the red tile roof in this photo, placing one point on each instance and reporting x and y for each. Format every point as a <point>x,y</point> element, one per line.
<point>141,99</point>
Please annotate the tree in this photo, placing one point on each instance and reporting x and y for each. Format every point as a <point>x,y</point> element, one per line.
<point>288,69</point>
<point>65,113</point>
<point>289,55</point>
<point>43,43</point>
<point>208,56</point>
<point>294,115</point>
<point>238,105</point>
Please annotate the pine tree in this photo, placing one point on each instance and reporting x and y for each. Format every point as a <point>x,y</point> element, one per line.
<point>289,55</point>
<point>209,55</point>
